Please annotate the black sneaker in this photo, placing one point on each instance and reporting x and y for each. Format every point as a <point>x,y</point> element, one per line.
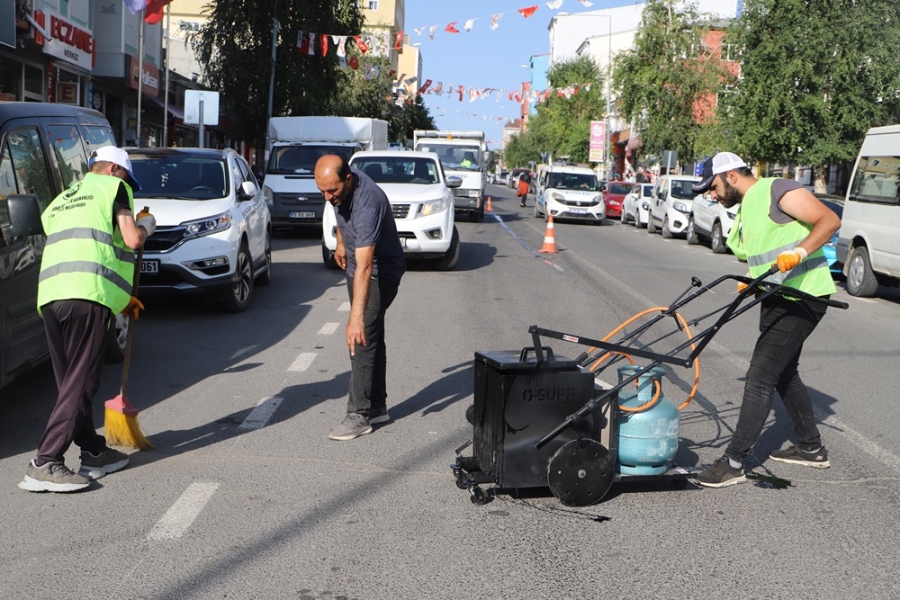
<point>378,415</point>
<point>52,477</point>
<point>353,426</point>
<point>721,474</point>
<point>795,455</point>
<point>96,466</point>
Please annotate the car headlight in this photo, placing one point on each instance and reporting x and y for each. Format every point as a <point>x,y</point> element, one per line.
<point>645,205</point>
<point>596,200</point>
<point>268,195</point>
<point>432,208</point>
<point>680,207</point>
<point>558,197</point>
<point>207,226</point>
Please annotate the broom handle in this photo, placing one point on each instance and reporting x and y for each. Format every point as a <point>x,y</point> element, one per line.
<point>129,336</point>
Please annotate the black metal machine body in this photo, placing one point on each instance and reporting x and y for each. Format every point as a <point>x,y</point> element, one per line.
<point>543,421</point>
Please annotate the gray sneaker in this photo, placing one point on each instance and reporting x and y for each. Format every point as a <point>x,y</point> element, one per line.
<point>378,415</point>
<point>96,466</point>
<point>353,426</point>
<point>797,456</point>
<point>52,477</point>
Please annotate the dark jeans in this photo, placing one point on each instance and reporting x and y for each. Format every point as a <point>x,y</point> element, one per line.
<point>784,325</point>
<point>76,332</point>
<point>368,366</point>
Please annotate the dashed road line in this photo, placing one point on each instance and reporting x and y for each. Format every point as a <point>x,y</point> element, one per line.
<point>181,515</point>
<point>345,307</point>
<point>328,328</point>
<point>302,362</point>
<point>261,414</point>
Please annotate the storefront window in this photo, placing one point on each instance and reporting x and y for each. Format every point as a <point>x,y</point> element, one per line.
<point>10,81</point>
<point>34,83</point>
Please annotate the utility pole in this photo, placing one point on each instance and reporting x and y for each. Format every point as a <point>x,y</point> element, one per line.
<point>276,26</point>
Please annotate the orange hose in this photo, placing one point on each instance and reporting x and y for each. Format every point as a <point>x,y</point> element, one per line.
<point>653,401</point>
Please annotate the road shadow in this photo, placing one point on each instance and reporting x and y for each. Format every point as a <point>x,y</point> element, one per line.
<point>455,385</point>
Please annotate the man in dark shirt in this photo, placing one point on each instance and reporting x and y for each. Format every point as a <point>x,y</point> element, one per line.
<point>369,250</point>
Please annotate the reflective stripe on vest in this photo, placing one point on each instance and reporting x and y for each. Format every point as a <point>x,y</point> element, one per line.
<point>88,233</point>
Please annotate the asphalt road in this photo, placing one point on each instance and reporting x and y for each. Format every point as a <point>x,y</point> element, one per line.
<point>245,497</point>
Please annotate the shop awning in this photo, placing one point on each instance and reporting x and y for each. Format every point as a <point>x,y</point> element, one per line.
<point>175,111</point>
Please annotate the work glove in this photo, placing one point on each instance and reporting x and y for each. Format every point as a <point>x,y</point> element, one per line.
<point>147,221</point>
<point>133,308</point>
<point>790,259</point>
<point>741,287</point>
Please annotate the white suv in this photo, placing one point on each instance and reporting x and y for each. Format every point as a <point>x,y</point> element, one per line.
<point>213,230</point>
<point>670,204</point>
<point>421,202</point>
<point>710,220</point>
<point>569,192</point>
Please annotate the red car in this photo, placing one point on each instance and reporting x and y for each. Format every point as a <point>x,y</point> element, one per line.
<point>614,194</point>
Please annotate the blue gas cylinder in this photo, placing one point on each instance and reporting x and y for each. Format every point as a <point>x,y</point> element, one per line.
<point>647,440</point>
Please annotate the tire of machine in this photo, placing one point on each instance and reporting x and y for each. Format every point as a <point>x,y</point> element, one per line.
<point>581,472</point>
<point>470,414</point>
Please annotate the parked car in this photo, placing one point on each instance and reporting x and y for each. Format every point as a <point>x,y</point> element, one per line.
<point>214,230</point>
<point>671,205</point>
<point>569,192</point>
<point>513,179</point>
<point>710,220</point>
<point>835,203</point>
<point>502,178</point>
<point>421,201</point>
<point>44,149</point>
<point>869,240</point>
<point>614,195</point>
<point>636,207</point>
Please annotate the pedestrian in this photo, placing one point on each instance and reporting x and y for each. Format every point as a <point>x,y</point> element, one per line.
<point>524,186</point>
<point>85,280</point>
<point>779,222</point>
<point>640,177</point>
<point>369,250</point>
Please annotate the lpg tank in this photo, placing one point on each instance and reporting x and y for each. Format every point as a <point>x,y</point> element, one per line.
<point>647,439</point>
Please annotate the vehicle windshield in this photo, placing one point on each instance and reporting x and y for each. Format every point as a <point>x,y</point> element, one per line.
<point>572,181</point>
<point>301,160</point>
<point>682,190</point>
<point>182,177</point>
<point>620,188</point>
<point>467,158</point>
<point>399,169</point>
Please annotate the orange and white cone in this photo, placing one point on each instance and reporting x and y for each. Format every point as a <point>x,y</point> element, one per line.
<point>489,208</point>
<point>549,239</point>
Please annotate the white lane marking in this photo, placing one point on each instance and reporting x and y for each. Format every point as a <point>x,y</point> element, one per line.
<point>345,307</point>
<point>261,414</point>
<point>328,328</point>
<point>302,362</point>
<point>181,514</point>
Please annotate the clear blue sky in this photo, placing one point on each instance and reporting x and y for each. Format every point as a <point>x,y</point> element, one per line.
<point>482,58</point>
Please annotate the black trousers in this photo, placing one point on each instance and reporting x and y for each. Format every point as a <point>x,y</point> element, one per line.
<point>76,332</point>
<point>368,367</point>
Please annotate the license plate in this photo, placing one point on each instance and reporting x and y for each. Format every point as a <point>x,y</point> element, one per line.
<point>150,266</point>
<point>577,211</point>
<point>302,215</point>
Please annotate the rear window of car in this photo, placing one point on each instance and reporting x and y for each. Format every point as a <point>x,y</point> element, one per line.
<point>620,188</point>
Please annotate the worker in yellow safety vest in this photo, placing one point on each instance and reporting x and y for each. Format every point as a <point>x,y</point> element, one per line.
<point>779,223</point>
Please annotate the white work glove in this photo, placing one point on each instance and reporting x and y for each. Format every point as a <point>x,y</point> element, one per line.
<point>148,222</point>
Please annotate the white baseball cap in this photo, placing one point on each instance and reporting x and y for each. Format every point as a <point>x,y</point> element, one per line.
<point>119,157</point>
<point>720,163</point>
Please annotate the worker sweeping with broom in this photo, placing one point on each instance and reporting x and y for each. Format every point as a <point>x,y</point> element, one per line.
<point>86,278</point>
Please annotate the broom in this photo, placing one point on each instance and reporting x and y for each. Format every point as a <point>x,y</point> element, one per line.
<point>122,428</point>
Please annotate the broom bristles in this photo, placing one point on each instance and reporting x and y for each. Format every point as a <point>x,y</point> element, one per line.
<point>123,430</point>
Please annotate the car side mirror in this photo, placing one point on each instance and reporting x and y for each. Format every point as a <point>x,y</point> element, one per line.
<point>24,216</point>
<point>453,181</point>
<point>248,190</point>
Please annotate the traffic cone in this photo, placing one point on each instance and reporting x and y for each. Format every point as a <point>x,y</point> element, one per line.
<point>549,239</point>
<point>489,208</point>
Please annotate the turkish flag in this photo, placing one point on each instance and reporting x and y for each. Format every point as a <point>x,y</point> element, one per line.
<point>323,43</point>
<point>354,63</point>
<point>363,47</point>
<point>527,12</point>
<point>302,43</point>
<point>450,28</point>
<point>398,41</point>
<point>153,14</point>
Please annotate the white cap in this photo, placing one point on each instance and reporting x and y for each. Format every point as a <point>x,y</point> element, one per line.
<point>720,163</point>
<point>119,157</point>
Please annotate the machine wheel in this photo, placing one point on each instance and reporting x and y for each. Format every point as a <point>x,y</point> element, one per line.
<point>328,258</point>
<point>666,232</point>
<point>861,280</point>
<point>470,414</point>
<point>478,495</point>
<point>581,472</point>
<point>689,234</point>
<point>717,243</point>
<point>449,260</point>
<point>651,226</point>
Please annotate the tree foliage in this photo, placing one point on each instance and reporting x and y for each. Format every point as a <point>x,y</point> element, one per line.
<point>666,76</point>
<point>815,76</point>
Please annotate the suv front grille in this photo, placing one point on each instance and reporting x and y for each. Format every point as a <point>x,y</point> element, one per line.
<point>400,211</point>
<point>165,239</point>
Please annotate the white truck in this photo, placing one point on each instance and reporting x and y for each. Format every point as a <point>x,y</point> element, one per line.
<point>295,144</point>
<point>465,155</point>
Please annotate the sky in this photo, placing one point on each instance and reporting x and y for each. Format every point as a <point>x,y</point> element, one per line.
<point>483,58</point>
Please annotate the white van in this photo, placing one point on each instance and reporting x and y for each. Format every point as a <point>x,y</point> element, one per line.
<point>568,192</point>
<point>670,205</point>
<point>869,239</point>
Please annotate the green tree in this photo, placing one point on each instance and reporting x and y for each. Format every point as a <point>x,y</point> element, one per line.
<point>663,80</point>
<point>234,49</point>
<point>814,77</point>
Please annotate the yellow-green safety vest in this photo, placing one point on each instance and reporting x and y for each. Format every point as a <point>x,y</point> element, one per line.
<point>756,238</point>
<point>85,257</point>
